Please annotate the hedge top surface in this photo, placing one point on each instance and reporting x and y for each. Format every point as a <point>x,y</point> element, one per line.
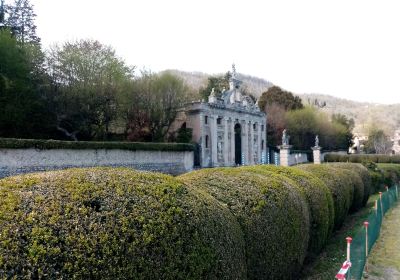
<point>272,212</point>
<point>114,223</point>
<point>335,180</point>
<point>362,172</point>
<point>12,143</point>
<point>319,198</point>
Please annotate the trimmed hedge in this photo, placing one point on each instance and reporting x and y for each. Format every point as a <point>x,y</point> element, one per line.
<point>390,174</point>
<point>272,212</point>
<point>319,199</point>
<point>12,143</point>
<point>364,174</point>
<point>336,180</point>
<point>360,158</point>
<point>107,223</point>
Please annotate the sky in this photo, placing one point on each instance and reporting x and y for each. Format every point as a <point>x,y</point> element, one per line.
<point>345,48</point>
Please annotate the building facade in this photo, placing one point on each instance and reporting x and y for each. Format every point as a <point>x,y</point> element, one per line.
<point>229,130</point>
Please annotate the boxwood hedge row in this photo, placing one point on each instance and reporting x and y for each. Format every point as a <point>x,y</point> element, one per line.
<point>107,223</point>
<point>273,214</point>
<point>318,197</point>
<point>360,158</point>
<point>258,222</point>
<point>337,181</point>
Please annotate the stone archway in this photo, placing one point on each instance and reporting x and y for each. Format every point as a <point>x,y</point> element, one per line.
<point>238,144</point>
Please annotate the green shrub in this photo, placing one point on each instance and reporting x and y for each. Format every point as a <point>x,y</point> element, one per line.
<point>336,181</point>
<point>364,175</point>
<point>319,199</point>
<point>11,143</point>
<point>391,174</point>
<point>105,223</point>
<point>272,212</point>
<point>359,158</point>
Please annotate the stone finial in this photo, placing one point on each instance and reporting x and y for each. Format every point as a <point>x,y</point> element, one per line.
<point>233,70</point>
<point>212,92</point>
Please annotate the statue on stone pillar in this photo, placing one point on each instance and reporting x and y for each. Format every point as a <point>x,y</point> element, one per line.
<point>316,141</point>
<point>285,138</point>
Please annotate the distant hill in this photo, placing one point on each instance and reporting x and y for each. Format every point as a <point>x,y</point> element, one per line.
<point>197,80</point>
<point>364,114</point>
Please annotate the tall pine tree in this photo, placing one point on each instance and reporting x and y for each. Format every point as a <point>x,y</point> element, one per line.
<point>21,20</point>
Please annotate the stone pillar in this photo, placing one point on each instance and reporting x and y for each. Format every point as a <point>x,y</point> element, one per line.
<point>232,130</point>
<point>213,140</point>
<point>284,154</point>
<point>316,154</point>
<point>245,144</point>
<point>202,140</point>
<point>226,142</point>
<point>251,146</point>
<point>260,138</point>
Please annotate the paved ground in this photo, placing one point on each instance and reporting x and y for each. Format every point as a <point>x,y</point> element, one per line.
<point>384,259</point>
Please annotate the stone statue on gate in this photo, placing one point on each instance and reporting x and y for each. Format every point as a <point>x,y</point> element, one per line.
<point>316,141</point>
<point>285,138</point>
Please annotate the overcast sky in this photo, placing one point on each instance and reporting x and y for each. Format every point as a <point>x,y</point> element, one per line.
<point>349,48</point>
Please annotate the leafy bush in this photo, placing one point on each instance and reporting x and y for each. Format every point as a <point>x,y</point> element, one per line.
<point>319,199</point>
<point>360,158</point>
<point>105,223</point>
<point>364,175</point>
<point>12,143</point>
<point>336,180</point>
<point>272,212</point>
<point>391,174</point>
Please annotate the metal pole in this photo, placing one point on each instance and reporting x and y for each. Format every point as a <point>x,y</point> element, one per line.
<point>380,197</point>
<point>366,245</point>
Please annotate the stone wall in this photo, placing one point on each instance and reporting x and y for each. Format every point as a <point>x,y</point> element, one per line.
<point>297,158</point>
<point>17,161</point>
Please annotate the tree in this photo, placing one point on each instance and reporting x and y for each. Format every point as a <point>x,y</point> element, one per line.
<point>88,81</point>
<point>378,142</point>
<point>153,104</point>
<point>22,90</point>
<point>304,124</point>
<point>275,95</point>
<point>275,102</point>
<point>21,20</point>
<point>218,83</point>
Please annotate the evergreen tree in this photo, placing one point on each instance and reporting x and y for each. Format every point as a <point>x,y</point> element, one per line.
<point>21,20</point>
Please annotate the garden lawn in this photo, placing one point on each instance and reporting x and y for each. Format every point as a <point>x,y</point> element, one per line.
<point>384,259</point>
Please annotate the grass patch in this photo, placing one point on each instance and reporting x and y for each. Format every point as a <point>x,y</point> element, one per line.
<point>328,263</point>
<point>384,259</point>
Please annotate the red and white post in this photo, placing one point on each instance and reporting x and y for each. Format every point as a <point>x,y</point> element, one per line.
<point>347,264</point>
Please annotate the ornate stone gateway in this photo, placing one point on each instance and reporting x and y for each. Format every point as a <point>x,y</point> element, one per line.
<point>230,129</point>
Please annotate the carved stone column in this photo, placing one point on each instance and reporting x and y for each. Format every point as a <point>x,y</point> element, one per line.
<point>245,144</point>
<point>232,130</point>
<point>213,140</point>
<point>251,144</point>
<point>226,142</point>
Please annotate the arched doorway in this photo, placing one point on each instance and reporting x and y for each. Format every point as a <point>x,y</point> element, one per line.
<point>238,144</point>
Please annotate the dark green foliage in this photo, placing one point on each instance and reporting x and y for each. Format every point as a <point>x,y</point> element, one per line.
<point>105,223</point>
<point>365,176</point>
<point>336,180</point>
<point>218,83</point>
<point>11,143</point>
<point>390,174</point>
<point>360,158</point>
<point>272,212</point>
<point>275,95</point>
<point>319,199</point>
<point>24,111</point>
